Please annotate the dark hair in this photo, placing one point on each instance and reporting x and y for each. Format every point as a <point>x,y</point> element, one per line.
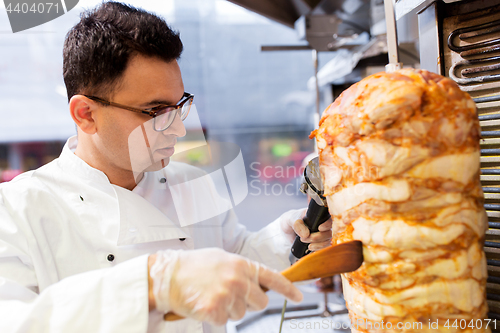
<point>97,49</point>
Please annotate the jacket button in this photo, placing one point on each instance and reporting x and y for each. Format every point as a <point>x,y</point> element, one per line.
<point>111,257</point>
<point>182,239</point>
<point>163,180</point>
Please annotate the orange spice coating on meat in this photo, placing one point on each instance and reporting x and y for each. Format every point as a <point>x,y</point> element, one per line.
<point>399,158</point>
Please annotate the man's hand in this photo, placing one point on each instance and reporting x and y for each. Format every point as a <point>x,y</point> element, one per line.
<point>212,285</point>
<point>293,225</point>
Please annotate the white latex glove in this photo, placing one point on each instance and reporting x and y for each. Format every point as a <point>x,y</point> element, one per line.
<point>292,225</point>
<point>213,285</point>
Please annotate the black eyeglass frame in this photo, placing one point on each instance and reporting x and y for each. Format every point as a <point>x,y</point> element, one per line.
<point>153,112</point>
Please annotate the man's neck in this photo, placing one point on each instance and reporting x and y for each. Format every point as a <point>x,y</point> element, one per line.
<point>116,176</point>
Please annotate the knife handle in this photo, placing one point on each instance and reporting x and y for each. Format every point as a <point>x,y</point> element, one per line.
<point>315,215</point>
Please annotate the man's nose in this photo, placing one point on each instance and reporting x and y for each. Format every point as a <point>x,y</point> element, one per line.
<point>177,127</point>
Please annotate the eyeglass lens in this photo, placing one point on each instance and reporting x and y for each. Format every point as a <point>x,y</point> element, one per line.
<point>166,117</point>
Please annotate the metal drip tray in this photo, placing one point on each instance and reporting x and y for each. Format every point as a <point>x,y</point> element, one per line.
<point>269,322</point>
<point>298,318</point>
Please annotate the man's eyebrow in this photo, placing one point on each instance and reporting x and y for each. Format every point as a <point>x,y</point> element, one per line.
<point>157,102</point>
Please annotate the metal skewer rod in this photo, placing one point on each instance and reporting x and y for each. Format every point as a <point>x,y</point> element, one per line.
<point>316,115</point>
<point>392,37</point>
<point>315,63</point>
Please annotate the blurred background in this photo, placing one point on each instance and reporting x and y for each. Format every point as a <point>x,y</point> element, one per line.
<point>252,76</point>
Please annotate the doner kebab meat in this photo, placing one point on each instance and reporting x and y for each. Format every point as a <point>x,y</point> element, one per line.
<point>399,158</point>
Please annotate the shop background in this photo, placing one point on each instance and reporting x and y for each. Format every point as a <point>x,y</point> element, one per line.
<point>258,100</point>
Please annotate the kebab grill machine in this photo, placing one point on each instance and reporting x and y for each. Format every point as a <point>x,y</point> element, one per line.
<point>457,39</point>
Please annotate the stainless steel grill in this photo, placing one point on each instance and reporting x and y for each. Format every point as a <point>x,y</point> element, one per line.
<point>466,48</point>
<point>461,40</point>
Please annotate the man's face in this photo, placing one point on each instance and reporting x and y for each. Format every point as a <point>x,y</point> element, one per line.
<point>127,138</point>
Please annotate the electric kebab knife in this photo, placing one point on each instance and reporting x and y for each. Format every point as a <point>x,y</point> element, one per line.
<point>317,211</point>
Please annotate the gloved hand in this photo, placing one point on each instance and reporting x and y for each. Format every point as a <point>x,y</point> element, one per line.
<point>292,225</point>
<point>213,285</point>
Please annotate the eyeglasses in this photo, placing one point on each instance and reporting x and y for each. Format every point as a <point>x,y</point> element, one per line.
<point>162,114</point>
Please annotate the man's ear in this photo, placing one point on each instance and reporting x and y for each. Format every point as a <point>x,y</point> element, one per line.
<point>82,111</point>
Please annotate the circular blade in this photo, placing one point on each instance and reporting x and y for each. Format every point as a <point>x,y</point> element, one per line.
<point>313,176</point>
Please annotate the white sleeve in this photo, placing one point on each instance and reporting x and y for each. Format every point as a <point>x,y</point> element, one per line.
<point>105,300</point>
<point>269,245</point>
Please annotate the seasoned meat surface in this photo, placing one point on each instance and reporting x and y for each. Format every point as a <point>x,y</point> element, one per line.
<point>399,158</point>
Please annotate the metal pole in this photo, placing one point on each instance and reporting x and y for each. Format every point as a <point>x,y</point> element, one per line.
<point>315,62</point>
<point>316,116</point>
<point>392,37</point>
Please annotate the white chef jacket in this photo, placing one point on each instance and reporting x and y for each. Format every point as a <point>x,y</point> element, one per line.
<point>60,224</point>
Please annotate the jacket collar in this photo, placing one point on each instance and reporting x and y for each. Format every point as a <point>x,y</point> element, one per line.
<point>139,220</point>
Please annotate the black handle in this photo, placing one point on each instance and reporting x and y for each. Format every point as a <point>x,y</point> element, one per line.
<point>315,215</point>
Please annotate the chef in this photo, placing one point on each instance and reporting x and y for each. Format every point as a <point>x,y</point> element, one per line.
<point>97,240</point>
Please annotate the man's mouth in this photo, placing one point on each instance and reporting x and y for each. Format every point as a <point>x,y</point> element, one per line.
<point>165,152</point>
